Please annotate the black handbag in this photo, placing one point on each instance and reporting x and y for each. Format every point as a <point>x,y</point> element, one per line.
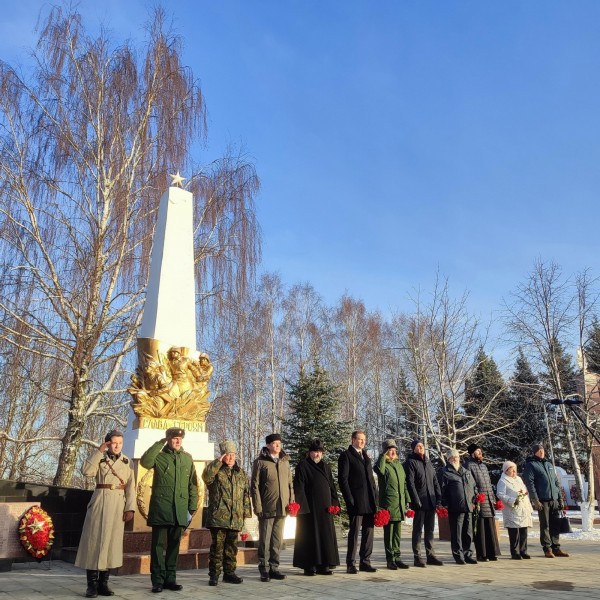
<point>565,524</point>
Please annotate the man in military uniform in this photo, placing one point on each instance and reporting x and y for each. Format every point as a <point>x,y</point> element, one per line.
<point>174,501</point>
<point>112,504</point>
<point>228,506</point>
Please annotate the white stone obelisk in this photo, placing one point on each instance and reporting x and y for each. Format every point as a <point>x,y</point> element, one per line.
<point>170,308</point>
<point>170,314</point>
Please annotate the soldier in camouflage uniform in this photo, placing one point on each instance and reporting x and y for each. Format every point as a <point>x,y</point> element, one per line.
<point>228,506</point>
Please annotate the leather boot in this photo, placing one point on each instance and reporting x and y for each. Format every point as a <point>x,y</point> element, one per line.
<point>92,584</point>
<point>103,588</point>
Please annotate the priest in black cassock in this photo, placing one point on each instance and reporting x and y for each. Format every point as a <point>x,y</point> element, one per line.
<point>315,547</point>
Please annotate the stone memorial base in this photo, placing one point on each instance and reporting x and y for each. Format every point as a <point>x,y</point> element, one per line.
<point>10,546</point>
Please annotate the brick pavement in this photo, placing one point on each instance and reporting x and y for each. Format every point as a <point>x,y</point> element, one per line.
<point>575,578</point>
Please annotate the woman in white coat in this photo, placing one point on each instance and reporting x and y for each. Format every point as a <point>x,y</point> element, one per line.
<point>517,509</point>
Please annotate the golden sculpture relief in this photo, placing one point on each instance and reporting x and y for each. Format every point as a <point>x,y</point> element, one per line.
<point>170,385</point>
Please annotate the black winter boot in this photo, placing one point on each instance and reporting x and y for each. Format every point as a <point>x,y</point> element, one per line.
<point>103,588</point>
<point>92,584</point>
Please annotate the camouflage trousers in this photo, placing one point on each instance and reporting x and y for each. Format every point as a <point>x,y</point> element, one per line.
<point>223,551</point>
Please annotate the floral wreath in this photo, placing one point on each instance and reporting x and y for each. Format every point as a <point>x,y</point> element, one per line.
<point>36,532</point>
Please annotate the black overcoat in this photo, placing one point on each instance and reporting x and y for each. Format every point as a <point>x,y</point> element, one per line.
<point>357,484</point>
<point>315,544</point>
<point>458,489</point>
<point>422,483</point>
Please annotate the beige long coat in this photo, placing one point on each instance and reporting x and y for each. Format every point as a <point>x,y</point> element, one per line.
<point>101,544</point>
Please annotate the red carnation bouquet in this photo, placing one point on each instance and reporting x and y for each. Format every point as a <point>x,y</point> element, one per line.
<point>333,510</point>
<point>410,513</point>
<point>293,508</point>
<point>36,532</point>
<point>499,505</point>
<point>381,518</point>
<point>441,511</point>
<point>244,536</point>
<point>480,498</point>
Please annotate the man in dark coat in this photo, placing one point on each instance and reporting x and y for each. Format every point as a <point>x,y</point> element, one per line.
<point>458,496</point>
<point>355,478</point>
<point>272,491</point>
<point>545,495</point>
<point>173,503</point>
<point>315,546</point>
<point>425,496</point>
<point>486,535</point>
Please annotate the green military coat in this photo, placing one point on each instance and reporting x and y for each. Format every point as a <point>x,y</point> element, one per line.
<point>174,485</point>
<point>393,492</point>
<point>228,495</point>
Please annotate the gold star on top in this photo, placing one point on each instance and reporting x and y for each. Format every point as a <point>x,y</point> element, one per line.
<point>177,179</point>
<point>36,526</point>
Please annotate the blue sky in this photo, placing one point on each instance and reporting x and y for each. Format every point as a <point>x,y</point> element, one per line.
<point>397,138</point>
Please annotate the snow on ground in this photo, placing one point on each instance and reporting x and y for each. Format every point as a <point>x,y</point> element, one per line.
<point>534,532</point>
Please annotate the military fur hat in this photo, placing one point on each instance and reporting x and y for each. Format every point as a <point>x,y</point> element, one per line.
<point>174,432</point>
<point>227,447</point>
<point>273,437</point>
<point>111,434</point>
<point>387,444</point>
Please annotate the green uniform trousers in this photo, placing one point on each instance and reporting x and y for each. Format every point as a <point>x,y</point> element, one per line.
<point>223,551</point>
<point>391,540</point>
<point>163,562</point>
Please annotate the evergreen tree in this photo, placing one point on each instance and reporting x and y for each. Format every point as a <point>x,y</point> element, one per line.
<point>404,427</point>
<point>568,385</point>
<point>592,348</point>
<point>486,390</point>
<point>523,409</point>
<point>314,413</point>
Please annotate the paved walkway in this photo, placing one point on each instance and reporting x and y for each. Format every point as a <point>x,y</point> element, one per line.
<point>574,578</point>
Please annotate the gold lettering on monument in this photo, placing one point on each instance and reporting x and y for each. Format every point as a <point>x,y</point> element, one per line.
<point>170,386</point>
<point>153,423</point>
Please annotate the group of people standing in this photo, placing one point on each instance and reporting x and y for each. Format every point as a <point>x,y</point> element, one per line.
<point>410,489</point>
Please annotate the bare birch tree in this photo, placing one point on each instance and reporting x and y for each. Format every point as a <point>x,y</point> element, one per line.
<point>541,316</point>
<point>86,143</point>
<point>587,300</point>
<point>437,345</point>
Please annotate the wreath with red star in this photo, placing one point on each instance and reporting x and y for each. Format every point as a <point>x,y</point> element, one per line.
<point>36,532</point>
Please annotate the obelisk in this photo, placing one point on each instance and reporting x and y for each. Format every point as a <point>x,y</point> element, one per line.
<point>170,387</point>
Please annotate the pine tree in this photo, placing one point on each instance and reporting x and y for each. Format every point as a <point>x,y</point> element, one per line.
<point>486,388</point>
<point>568,385</point>
<point>404,427</point>
<point>523,409</point>
<point>592,348</point>
<point>314,413</point>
